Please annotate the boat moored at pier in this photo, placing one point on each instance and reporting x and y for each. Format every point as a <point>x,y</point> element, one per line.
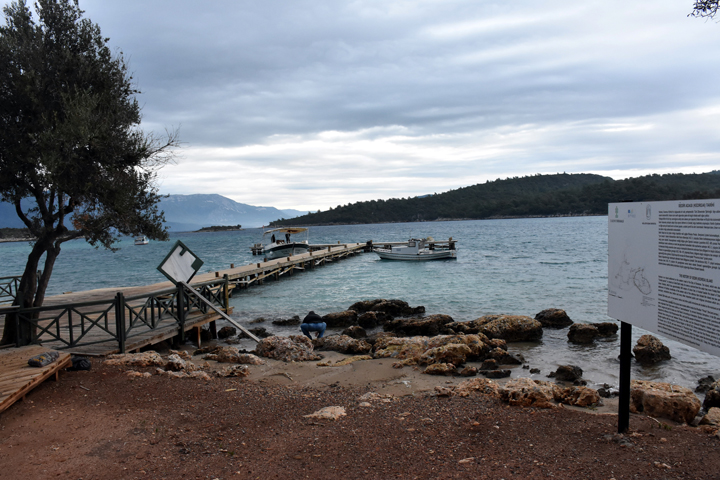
<point>418,250</point>
<point>279,242</point>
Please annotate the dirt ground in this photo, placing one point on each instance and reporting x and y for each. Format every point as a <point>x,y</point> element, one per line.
<point>103,425</point>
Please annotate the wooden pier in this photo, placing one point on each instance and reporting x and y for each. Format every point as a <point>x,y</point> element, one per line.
<point>86,323</point>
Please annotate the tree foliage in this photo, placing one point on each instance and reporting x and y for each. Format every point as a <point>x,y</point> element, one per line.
<point>705,8</point>
<point>70,137</point>
<point>536,195</point>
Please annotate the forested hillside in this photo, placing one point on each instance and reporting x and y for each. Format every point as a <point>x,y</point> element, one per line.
<point>538,195</point>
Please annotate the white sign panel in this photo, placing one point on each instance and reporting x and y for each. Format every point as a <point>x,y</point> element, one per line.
<point>664,269</point>
<point>180,265</point>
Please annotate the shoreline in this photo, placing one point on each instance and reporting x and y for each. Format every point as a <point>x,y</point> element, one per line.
<point>104,424</point>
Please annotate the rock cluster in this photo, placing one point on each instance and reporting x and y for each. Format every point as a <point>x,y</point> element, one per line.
<point>526,392</point>
<point>142,359</point>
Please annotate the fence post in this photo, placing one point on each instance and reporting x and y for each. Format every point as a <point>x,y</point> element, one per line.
<point>181,311</point>
<point>120,321</point>
<point>226,293</point>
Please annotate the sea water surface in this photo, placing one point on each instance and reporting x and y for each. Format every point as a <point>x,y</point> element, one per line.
<point>514,266</point>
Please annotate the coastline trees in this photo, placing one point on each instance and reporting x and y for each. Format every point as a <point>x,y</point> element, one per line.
<point>70,140</point>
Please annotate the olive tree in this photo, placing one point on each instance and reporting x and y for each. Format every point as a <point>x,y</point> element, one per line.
<point>705,8</point>
<point>70,141</point>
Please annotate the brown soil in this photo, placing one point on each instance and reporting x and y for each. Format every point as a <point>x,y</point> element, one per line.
<point>103,425</point>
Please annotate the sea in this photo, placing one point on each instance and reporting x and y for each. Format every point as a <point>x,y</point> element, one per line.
<point>508,266</point>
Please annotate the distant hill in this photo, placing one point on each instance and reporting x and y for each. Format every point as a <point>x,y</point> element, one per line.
<point>185,213</point>
<point>537,195</point>
<point>193,212</point>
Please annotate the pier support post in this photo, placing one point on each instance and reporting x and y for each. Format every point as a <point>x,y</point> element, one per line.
<point>226,292</point>
<point>120,321</point>
<point>625,357</point>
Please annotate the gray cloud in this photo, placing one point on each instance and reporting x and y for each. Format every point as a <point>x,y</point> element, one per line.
<point>308,104</point>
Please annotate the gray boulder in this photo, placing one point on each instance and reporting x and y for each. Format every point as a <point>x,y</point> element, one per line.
<point>340,319</point>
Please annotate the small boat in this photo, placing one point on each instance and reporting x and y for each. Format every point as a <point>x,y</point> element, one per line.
<point>278,242</point>
<point>418,250</point>
<point>141,240</point>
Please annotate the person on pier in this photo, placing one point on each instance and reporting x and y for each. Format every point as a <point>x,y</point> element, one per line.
<point>313,323</point>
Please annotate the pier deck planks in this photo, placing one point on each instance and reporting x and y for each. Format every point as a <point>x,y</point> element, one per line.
<point>17,378</point>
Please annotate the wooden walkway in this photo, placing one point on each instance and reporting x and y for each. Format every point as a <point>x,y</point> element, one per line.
<point>17,378</point>
<point>100,339</point>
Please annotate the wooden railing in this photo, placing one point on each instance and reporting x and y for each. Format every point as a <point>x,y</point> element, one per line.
<point>8,289</point>
<point>116,320</point>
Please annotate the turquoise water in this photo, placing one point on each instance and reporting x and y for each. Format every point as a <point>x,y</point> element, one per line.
<point>516,266</point>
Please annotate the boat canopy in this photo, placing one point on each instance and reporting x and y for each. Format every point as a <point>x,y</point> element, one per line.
<point>290,230</point>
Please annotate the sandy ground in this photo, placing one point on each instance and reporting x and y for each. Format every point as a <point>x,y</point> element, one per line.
<point>101,424</point>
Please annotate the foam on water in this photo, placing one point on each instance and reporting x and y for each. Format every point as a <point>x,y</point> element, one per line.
<point>518,266</point>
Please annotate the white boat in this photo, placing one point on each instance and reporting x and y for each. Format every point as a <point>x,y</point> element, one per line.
<point>417,250</point>
<point>279,242</point>
<point>141,240</point>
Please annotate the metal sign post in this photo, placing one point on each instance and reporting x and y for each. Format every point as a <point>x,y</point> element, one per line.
<point>180,266</point>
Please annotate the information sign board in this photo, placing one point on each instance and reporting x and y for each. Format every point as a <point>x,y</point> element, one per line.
<point>664,269</point>
<point>180,265</point>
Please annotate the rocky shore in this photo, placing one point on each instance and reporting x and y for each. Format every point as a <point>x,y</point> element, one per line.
<point>424,397</point>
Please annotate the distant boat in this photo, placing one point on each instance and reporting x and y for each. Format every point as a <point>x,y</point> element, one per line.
<point>278,242</point>
<point>417,250</point>
<point>141,240</point>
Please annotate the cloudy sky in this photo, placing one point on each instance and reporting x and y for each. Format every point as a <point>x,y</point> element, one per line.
<point>312,104</point>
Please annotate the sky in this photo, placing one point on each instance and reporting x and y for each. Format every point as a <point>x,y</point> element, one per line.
<point>313,104</point>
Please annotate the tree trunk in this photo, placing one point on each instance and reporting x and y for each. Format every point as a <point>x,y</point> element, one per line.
<point>26,294</point>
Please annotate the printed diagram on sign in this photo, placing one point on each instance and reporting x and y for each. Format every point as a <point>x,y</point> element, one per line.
<point>628,277</point>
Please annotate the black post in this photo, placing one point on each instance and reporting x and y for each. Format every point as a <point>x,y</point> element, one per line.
<point>120,321</point>
<point>625,357</point>
<point>181,311</point>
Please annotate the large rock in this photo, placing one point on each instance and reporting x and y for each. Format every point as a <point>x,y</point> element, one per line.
<point>454,353</point>
<point>371,339</point>
<point>373,319</point>
<point>400,347</point>
<point>231,355</point>
<point>365,305</point>
<point>502,357</point>
<point>396,308</point>
<point>568,373</point>
<point>288,322</point>
<point>553,318</point>
<point>582,333</point>
<point>712,396</point>
<point>427,326</point>
<point>525,392</point>
<point>177,364</point>
<point>296,348</point>
<point>513,328</point>
<point>343,344</point>
<point>142,359</point>
<point>658,399</point>
<point>441,369</point>
<point>355,332</point>
<point>481,385</point>
<point>607,329</point>
<point>477,344</point>
<point>578,396</point>
<point>473,327</point>
<point>389,307</point>
<point>226,332</point>
<point>340,319</point>
<point>712,417</point>
<point>650,350</point>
